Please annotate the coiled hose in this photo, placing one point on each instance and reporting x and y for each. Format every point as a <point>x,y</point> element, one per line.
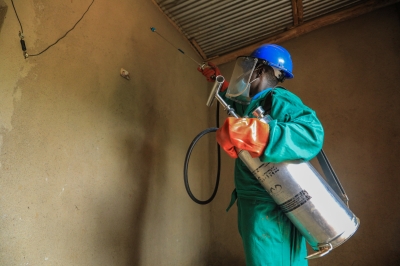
<point>186,164</point>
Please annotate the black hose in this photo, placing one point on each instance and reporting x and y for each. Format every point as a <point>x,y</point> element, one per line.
<point>186,165</point>
<point>185,169</point>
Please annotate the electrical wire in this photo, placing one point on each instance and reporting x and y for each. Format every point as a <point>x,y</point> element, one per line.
<point>12,2</point>
<point>58,38</point>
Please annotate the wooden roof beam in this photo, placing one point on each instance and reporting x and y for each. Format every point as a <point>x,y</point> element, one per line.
<point>294,13</point>
<point>307,27</point>
<point>299,5</point>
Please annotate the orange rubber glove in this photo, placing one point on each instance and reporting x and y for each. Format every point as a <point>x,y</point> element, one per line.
<point>211,72</point>
<point>248,134</point>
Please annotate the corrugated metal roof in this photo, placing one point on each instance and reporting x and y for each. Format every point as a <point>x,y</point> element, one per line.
<point>216,27</point>
<point>313,9</point>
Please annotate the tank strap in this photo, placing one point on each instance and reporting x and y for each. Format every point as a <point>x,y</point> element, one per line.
<point>331,177</point>
<point>255,195</point>
<point>267,102</point>
<point>233,199</point>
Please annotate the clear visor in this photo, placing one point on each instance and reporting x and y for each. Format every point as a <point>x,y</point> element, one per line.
<point>239,87</point>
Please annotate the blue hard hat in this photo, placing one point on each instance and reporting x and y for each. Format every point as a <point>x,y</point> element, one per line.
<point>276,56</point>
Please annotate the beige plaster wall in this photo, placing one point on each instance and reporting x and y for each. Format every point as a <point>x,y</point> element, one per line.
<point>349,74</point>
<point>92,164</point>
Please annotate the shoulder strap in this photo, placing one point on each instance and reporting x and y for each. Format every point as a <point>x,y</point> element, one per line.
<point>267,104</point>
<point>331,177</point>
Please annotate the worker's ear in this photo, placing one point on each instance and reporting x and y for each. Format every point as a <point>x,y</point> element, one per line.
<point>260,71</point>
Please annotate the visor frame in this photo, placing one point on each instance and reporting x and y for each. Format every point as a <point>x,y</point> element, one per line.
<point>239,86</point>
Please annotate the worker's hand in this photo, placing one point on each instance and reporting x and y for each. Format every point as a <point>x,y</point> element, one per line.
<point>248,134</point>
<point>210,71</point>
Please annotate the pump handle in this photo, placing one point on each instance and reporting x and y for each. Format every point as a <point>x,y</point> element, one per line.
<point>219,80</point>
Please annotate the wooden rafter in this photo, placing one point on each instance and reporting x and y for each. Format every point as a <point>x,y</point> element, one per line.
<point>294,13</point>
<point>297,12</point>
<point>299,5</point>
<point>198,48</point>
<point>307,27</point>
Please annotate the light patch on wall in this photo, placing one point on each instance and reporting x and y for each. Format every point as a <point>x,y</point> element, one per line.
<point>10,92</point>
<point>17,94</point>
<point>15,70</point>
<point>1,145</point>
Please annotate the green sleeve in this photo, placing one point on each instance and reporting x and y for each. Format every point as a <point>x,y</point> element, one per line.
<point>295,131</point>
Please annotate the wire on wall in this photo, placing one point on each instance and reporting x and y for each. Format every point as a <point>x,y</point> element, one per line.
<point>21,33</point>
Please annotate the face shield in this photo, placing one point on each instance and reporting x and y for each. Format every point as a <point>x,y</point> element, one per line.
<point>239,84</point>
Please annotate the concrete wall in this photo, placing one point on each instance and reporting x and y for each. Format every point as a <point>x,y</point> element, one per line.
<point>92,164</point>
<point>3,12</point>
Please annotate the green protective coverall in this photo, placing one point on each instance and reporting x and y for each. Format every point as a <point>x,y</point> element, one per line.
<point>269,238</point>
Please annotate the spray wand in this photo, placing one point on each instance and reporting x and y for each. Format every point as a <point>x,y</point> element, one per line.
<point>202,66</point>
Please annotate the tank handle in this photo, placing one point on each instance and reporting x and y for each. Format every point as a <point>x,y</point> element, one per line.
<point>323,250</point>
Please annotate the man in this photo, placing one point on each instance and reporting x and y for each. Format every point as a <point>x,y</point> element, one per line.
<point>269,238</point>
